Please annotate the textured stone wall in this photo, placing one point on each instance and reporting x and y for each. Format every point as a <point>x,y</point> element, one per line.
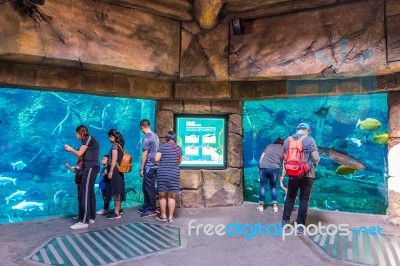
<point>90,35</point>
<point>208,188</point>
<point>347,39</point>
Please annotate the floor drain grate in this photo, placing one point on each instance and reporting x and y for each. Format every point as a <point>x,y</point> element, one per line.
<point>108,245</point>
<point>361,247</point>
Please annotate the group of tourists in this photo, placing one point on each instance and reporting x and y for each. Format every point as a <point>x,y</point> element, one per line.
<point>159,168</point>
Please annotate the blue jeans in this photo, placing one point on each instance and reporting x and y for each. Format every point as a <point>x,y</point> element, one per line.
<point>268,175</point>
<point>149,189</point>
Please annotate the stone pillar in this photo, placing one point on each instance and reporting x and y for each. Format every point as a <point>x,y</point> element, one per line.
<point>206,187</point>
<point>393,215</point>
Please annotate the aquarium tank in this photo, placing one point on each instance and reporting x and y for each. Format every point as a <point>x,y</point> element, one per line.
<point>35,125</point>
<point>351,132</point>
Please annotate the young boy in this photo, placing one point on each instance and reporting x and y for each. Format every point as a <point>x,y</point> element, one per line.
<point>103,186</point>
<point>78,177</point>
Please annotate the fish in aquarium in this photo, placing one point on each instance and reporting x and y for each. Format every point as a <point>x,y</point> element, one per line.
<point>345,170</point>
<point>5,180</point>
<point>369,124</point>
<point>20,165</point>
<point>17,195</point>
<point>382,139</point>
<point>105,119</point>
<point>342,158</point>
<point>131,189</point>
<point>59,195</point>
<point>356,141</point>
<point>363,177</point>
<point>332,205</point>
<point>323,111</point>
<point>28,206</point>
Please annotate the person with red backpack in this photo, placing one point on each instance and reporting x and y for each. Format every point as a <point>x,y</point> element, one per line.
<point>300,159</point>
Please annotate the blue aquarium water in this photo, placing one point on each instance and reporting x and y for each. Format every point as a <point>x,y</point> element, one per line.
<point>338,125</point>
<point>35,125</point>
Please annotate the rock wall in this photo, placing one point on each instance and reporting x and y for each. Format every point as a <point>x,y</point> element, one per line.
<point>90,35</point>
<point>327,41</point>
<point>208,188</point>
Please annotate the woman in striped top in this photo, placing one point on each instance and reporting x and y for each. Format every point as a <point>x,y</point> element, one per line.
<point>169,156</point>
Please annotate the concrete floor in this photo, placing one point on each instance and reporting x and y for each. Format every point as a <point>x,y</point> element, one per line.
<point>19,240</point>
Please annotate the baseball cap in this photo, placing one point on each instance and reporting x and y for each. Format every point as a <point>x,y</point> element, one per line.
<point>303,126</point>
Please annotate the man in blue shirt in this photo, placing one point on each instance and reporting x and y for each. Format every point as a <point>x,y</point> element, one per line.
<point>148,168</point>
<point>303,183</point>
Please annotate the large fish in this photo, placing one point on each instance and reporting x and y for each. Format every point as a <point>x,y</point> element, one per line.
<point>369,124</point>
<point>15,196</point>
<point>5,180</point>
<point>342,158</point>
<point>28,206</point>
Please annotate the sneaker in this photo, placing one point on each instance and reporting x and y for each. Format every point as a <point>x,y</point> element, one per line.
<point>275,208</point>
<point>160,219</point>
<point>260,208</point>
<point>79,225</point>
<point>91,221</point>
<point>76,217</point>
<point>148,213</point>
<point>113,216</point>
<point>102,212</point>
<point>121,211</point>
<point>140,210</point>
<point>284,222</point>
<point>300,231</point>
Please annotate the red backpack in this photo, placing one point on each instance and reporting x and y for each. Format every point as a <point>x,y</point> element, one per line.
<point>295,164</point>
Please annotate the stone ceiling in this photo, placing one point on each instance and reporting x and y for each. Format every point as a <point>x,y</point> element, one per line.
<point>209,12</point>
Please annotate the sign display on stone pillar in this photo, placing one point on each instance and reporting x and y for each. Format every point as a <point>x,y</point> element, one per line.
<point>203,140</point>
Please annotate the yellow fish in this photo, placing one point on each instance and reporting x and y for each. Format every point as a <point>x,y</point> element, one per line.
<point>369,124</point>
<point>345,170</point>
<point>381,139</point>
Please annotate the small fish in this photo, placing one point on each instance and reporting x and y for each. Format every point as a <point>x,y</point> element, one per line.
<point>369,124</point>
<point>131,189</point>
<point>59,195</point>
<point>381,139</point>
<point>20,165</point>
<point>15,196</point>
<point>5,180</point>
<point>355,141</point>
<point>363,177</point>
<point>333,206</point>
<point>345,170</point>
<point>28,206</point>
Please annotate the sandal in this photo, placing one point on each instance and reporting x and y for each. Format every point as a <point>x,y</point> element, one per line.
<point>160,219</point>
<point>170,220</point>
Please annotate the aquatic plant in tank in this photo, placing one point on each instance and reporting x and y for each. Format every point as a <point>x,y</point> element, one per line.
<point>351,132</point>
<point>35,125</point>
